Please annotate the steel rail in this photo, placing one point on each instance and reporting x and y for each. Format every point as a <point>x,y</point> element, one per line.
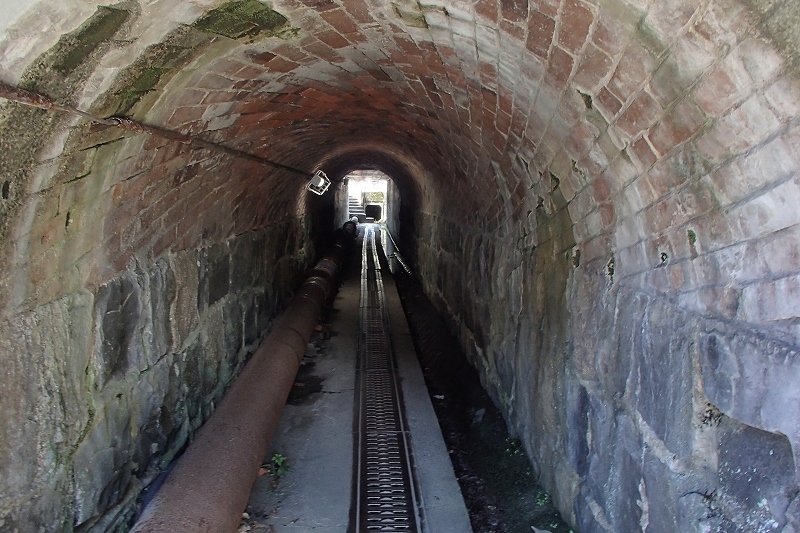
<point>385,496</point>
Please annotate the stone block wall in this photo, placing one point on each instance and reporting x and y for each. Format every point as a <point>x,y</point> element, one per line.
<point>638,414</point>
<point>394,206</point>
<point>116,382</point>
<point>620,260</point>
<point>138,276</point>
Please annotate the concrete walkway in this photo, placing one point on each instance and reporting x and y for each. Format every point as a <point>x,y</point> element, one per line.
<point>316,433</point>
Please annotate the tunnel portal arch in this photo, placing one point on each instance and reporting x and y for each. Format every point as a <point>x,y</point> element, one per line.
<point>600,195</point>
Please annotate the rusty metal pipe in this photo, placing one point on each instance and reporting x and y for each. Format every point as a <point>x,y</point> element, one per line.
<point>210,485</point>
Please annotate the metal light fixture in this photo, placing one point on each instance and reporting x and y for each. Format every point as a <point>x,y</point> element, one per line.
<point>318,183</point>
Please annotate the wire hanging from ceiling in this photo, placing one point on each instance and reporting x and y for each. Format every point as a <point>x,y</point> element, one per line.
<point>41,101</point>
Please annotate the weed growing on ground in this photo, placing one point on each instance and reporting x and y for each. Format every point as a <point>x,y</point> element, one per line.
<point>280,466</point>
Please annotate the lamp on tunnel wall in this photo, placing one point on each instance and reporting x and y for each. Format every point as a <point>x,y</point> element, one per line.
<point>318,183</point>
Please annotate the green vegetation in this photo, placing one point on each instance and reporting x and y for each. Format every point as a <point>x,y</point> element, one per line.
<point>280,466</point>
<point>145,82</point>
<point>542,499</point>
<point>242,18</point>
<point>101,27</point>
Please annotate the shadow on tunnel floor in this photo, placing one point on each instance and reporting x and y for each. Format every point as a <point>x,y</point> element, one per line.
<point>496,478</point>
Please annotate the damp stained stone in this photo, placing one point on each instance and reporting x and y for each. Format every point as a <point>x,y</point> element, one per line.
<point>664,376</point>
<point>251,332</point>
<point>60,73</point>
<point>554,182</point>
<point>162,294</point>
<point>578,445</point>
<point>214,271</point>
<point>233,323</point>
<point>755,467</point>
<point>246,261</point>
<point>117,314</point>
<point>305,385</point>
<point>780,22</point>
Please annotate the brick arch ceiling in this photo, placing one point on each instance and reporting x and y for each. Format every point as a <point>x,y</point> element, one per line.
<point>644,115</point>
<point>498,103</point>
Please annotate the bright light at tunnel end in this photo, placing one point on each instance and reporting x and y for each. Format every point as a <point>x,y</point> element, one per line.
<point>318,183</point>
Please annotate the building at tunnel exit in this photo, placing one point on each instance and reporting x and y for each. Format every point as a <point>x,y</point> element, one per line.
<point>601,195</point>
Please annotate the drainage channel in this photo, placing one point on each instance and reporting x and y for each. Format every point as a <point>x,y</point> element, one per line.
<point>385,498</point>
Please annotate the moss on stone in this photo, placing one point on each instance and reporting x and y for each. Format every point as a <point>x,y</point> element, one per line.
<point>77,47</point>
<point>587,99</point>
<point>288,33</point>
<point>145,82</point>
<point>148,79</point>
<point>242,18</point>
<point>59,73</point>
<point>160,61</point>
<point>156,63</point>
<point>596,119</point>
<point>648,39</point>
<point>412,17</point>
<point>624,13</point>
<point>780,23</point>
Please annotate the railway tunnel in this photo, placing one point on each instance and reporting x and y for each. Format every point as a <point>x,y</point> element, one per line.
<point>600,196</point>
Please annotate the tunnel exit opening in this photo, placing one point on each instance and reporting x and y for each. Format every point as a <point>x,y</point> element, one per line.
<point>367,195</point>
<point>372,197</point>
